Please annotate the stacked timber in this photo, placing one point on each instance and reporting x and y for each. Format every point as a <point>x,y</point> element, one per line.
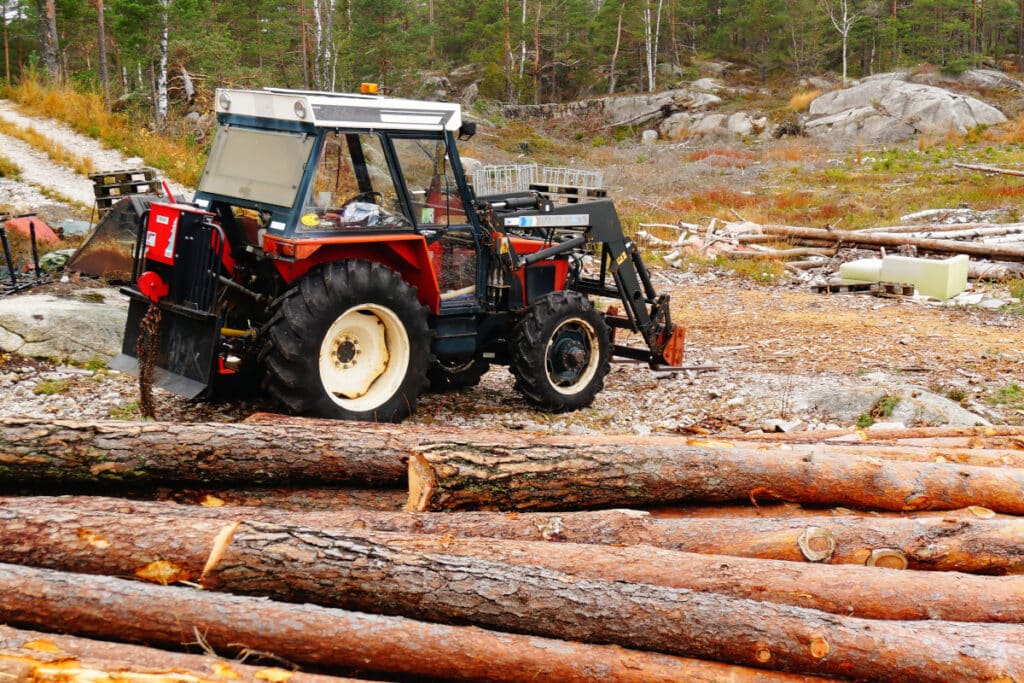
<point>842,556</point>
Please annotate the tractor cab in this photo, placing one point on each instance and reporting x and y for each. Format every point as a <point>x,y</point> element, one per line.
<point>335,250</point>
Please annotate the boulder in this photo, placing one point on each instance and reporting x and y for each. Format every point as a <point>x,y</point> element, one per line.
<point>469,95</point>
<point>990,79</point>
<point>916,406</point>
<point>649,137</point>
<point>712,125</point>
<point>889,109</point>
<point>711,85</point>
<point>712,69</point>
<point>86,325</point>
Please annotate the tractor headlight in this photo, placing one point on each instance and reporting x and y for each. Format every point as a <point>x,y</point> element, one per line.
<point>225,101</point>
<point>300,109</point>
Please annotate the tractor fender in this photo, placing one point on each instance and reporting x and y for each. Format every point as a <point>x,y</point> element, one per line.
<point>405,253</point>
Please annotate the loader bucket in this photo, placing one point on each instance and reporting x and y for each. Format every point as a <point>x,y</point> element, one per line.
<point>107,251</point>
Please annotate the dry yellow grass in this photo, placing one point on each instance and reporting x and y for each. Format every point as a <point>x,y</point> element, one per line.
<point>803,99</point>
<point>58,153</point>
<point>181,160</point>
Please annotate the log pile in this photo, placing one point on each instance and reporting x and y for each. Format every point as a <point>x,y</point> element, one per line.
<point>895,556</point>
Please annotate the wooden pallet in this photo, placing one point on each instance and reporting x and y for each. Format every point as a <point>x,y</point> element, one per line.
<point>561,194</point>
<point>887,289</point>
<point>112,186</point>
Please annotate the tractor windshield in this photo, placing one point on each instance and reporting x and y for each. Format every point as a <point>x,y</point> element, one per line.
<point>238,166</point>
<point>352,187</point>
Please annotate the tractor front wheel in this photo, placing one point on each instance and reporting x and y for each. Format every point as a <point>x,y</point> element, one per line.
<point>351,341</point>
<point>560,352</point>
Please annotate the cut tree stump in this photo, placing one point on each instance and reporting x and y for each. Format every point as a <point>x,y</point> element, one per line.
<point>366,573</point>
<point>957,541</point>
<point>39,657</point>
<point>106,607</point>
<point>538,477</point>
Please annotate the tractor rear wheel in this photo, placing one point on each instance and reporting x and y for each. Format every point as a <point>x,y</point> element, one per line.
<point>349,342</point>
<point>560,352</point>
<point>452,375</point>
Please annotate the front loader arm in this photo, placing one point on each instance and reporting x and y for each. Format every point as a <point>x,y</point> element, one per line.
<point>645,311</point>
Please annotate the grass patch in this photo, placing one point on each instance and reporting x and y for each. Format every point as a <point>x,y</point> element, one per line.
<point>125,411</point>
<point>181,160</point>
<point>882,408</point>
<point>52,386</point>
<point>8,169</point>
<point>57,153</point>
<point>1011,396</point>
<point>766,271</point>
<point>802,100</point>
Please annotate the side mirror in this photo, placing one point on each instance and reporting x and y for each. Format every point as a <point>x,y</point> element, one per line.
<point>467,130</point>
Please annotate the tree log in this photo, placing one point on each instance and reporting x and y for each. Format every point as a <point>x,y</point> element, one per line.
<point>1000,252</point>
<point>982,457</point>
<point>522,477</point>
<point>958,541</point>
<point>980,434</point>
<point>356,571</point>
<point>106,607</point>
<point>39,657</point>
<point>857,591</point>
<point>118,452</point>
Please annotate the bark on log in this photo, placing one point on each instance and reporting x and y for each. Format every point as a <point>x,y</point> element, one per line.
<point>980,434</point>
<point>959,541</point>
<point>511,477</point>
<point>1000,252</point>
<point>119,452</point>
<point>106,607</point>
<point>39,657</point>
<point>988,169</point>
<point>982,457</point>
<point>353,571</point>
<point>356,571</point>
<point>856,591</point>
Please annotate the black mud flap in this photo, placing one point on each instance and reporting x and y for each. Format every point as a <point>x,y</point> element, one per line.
<point>193,337</point>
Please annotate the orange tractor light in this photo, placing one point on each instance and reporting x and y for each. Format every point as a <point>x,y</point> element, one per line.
<point>368,88</point>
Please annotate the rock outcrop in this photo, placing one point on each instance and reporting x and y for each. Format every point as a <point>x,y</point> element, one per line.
<point>85,326</point>
<point>888,108</point>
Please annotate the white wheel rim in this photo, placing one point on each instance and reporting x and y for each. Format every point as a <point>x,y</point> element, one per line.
<point>567,373</point>
<point>364,357</point>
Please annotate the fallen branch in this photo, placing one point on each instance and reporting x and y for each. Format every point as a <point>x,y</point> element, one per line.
<point>874,239</point>
<point>987,169</point>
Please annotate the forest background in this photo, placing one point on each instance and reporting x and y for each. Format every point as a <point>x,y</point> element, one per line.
<point>521,51</point>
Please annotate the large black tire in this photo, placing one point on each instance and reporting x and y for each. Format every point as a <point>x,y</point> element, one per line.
<point>450,376</point>
<point>560,352</point>
<point>350,341</point>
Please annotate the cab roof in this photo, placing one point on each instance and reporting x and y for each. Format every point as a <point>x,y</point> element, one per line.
<point>336,110</point>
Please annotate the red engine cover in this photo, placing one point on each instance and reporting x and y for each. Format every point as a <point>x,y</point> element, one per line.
<point>162,229</point>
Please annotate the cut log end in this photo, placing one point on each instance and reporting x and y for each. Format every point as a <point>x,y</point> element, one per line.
<point>422,484</point>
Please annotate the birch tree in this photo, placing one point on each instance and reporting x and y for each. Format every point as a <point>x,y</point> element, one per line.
<point>843,18</point>
<point>652,29</point>
<point>101,40</point>
<point>324,75</point>
<point>161,75</point>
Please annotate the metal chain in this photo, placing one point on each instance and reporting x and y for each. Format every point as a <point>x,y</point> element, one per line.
<point>146,347</point>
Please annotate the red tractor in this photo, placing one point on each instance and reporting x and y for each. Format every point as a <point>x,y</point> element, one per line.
<point>335,250</point>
